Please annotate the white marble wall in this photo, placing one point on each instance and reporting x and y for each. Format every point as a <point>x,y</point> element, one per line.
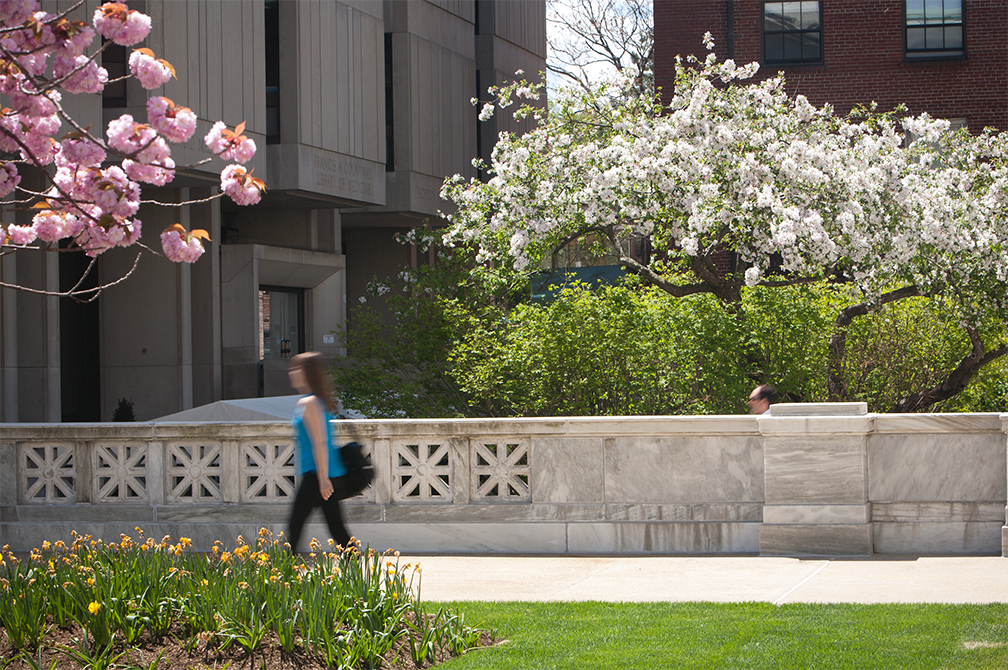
<point>785,483</point>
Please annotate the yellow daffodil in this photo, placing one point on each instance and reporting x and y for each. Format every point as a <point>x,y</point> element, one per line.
<point>94,607</point>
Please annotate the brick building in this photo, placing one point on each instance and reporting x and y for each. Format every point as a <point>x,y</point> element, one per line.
<point>945,57</point>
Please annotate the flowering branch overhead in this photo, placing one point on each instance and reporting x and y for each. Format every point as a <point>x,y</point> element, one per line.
<point>88,200</point>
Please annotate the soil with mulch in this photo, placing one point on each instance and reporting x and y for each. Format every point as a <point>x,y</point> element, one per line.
<point>171,654</point>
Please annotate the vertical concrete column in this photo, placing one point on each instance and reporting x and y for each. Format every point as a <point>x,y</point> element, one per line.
<point>1004,528</point>
<point>51,384</point>
<point>85,490</point>
<point>816,480</point>
<point>185,316</point>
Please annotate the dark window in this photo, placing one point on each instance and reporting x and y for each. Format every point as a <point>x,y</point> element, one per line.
<point>272,71</point>
<point>114,61</point>
<point>934,29</point>
<point>389,108</point>
<point>792,32</point>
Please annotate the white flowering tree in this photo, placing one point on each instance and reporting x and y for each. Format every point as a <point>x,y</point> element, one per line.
<point>796,192</point>
<point>91,191</point>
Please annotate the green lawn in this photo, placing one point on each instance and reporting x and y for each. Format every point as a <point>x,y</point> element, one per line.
<point>738,635</point>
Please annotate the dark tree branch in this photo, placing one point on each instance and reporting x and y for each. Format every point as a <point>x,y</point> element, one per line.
<point>836,384</point>
<point>957,380</point>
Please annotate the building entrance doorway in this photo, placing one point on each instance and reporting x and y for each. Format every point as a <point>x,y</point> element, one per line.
<point>281,322</point>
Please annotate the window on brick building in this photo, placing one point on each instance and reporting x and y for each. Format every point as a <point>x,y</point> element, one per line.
<point>792,32</point>
<point>934,29</point>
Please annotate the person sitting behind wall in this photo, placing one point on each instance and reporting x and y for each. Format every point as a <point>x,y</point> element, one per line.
<point>761,398</point>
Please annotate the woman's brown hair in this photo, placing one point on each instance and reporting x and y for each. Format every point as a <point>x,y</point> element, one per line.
<point>311,364</point>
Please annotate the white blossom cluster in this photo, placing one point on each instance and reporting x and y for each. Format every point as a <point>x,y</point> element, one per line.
<point>741,165</point>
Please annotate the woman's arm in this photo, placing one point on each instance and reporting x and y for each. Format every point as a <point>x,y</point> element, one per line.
<point>315,424</point>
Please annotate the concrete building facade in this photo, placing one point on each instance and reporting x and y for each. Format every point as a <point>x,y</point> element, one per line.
<point>359,108</point>
<point>944,57</point>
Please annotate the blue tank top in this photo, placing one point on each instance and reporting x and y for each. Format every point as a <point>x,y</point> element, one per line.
<point>305,461</point>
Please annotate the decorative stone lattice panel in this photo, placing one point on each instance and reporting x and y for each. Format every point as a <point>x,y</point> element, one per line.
<point>421,472</point>
<point>48,473</point>
<point>267,472</point>
<point>500,470</point>
<point>194,472</point>
<point>120,472</point>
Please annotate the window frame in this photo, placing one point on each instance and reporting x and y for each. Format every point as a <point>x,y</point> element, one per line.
<point>933,54</point>
<point>802,62</point>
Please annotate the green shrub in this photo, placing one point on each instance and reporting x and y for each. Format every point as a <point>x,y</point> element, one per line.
<point>614,351</point>
<point>454,349</point>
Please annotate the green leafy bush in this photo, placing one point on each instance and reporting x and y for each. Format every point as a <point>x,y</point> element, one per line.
<point>456,349</point>
<point>614,351</point>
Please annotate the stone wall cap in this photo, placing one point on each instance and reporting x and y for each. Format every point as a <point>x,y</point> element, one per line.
<point>819,409</point>
<point>824,426</point>
<point>940,423</point>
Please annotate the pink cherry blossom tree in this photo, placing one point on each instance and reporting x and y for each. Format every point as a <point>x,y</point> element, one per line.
<point>92,184</point>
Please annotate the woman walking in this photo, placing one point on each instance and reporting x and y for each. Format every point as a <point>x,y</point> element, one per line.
<point>318,461</point>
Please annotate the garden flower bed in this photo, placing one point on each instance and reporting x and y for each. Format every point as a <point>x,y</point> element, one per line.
<point>143,603</point>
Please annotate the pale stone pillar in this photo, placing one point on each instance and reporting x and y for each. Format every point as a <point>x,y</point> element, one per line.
<point>1004,528</point>
<point>816,480</point>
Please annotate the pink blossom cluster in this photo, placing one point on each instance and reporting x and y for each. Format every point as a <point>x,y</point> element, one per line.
<point>16,12</point>
<point>177,124</point>
<point>150,71</point>
<point>120,24</point>
<point>79,152</point>
<point>53,226</point>
<point>32,136</point>
<point>9,178</point>
<point>97,192</point>
<point>230,145</point>
<point>80,74</point>
<point>96,237</point>
<point>150,158</point>
<point>45,55</point>
<point>179,248</point>
<point>240,185</point>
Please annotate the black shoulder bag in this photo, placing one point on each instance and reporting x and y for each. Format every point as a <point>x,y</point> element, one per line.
<point>359,472</point>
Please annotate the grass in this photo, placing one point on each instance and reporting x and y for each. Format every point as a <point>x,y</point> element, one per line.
<point>737,635</point>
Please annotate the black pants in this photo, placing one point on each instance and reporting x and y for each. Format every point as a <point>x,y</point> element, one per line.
<point>307,499</point>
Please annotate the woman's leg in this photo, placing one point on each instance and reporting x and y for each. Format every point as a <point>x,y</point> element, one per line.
<point>334,517</point>
<point>307,499</point>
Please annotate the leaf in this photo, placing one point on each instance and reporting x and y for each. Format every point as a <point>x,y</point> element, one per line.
<point>201,234</point>
<point>177,227</point>
<point>145,51</point>
<point>240,128</point>
<point>41,205</point>
<point>170,67</point>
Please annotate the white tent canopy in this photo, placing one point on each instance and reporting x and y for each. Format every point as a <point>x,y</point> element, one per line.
<point>278,408</point>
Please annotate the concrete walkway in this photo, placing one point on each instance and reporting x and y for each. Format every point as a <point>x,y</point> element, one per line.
<point>889,579</point>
